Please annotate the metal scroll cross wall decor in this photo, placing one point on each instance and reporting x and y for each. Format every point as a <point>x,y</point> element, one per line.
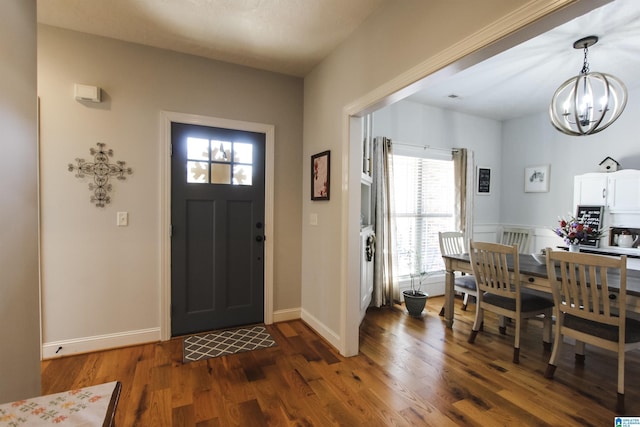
<point>101,170</point>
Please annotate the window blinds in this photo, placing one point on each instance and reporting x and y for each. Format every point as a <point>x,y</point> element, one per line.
<point>423,192</point>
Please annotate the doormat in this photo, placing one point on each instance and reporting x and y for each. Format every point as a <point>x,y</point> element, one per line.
<point>215,344</point>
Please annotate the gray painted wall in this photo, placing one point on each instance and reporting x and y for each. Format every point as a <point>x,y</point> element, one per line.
<point>19,288</point>
<point>531,141</point>
<point>100,280</point>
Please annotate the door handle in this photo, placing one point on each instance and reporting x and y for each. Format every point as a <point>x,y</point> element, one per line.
<point>259,239</point>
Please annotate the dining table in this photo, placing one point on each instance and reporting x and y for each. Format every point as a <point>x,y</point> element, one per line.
<point>533,275</point>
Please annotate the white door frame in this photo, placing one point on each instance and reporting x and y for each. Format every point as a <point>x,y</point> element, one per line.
<point>166,118</point>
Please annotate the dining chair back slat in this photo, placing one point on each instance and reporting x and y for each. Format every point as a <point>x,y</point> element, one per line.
<point>492,269</point>
<point>582,288</point>
<point>496,268</point>
<point>516,236</point>
<point>589,310</point>
<point>453,243</point>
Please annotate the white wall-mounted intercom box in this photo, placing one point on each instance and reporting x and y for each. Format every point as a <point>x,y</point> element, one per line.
<point>87,93</point>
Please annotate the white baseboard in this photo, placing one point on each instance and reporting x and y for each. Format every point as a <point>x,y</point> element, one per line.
<point>123,339</point>
<point>435,289</point>
<point>99,342</point>
<point>326,333</point>
<point>285,315</point>
<point>433,286</point>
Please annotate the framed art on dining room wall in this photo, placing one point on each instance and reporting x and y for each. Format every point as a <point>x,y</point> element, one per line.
<point>320,174</point>
<point>536,179</point>
<point>483,181</point>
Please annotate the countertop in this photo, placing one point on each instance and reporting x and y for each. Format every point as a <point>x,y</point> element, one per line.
<point>609,250</point>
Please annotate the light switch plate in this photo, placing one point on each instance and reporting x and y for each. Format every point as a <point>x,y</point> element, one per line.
<point>123,219</point>
<point>313,219</point>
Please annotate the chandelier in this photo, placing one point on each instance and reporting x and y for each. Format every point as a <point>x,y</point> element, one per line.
<point>589,102</point>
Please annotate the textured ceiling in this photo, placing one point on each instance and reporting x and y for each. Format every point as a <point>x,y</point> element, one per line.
<point>285,36</point>
<point>292,36</point>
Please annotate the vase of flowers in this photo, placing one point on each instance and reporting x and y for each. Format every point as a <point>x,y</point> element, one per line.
<point>575,232</point>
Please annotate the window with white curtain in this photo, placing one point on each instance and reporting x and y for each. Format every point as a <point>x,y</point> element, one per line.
<point>423,205</point>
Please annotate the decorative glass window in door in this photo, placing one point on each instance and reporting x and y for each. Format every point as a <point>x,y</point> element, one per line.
<point>219,162</point>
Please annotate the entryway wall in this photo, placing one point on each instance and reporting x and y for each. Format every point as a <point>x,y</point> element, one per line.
<point>19,287</point>
<point>101,284</point>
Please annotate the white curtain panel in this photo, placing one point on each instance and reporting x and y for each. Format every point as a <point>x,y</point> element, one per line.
<point>384,288</point>
<point>464,184</point>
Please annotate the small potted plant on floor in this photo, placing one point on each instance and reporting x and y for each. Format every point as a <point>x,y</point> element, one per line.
<point>414,298</point>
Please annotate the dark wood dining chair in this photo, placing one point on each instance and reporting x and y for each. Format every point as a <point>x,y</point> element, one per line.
<point>499,291</point>
<point>585,311</point>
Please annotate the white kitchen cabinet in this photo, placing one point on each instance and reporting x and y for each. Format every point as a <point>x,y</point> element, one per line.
<point>618,192</point>
<point>590,189</point>
<point>623,191</point>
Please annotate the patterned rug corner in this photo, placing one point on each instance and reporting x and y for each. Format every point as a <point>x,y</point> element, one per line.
<point>216,344</point>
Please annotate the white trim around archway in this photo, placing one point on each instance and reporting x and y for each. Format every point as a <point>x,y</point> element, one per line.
<point>533,18</point>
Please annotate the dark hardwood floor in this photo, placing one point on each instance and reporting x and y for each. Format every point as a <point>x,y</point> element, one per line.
<point>409,372</point>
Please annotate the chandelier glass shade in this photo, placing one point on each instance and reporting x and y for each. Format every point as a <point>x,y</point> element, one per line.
<point>588,102</point>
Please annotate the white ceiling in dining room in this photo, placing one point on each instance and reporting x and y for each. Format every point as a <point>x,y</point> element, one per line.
<point>522,80</point>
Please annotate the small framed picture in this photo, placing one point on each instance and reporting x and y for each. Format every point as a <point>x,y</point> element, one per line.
<point>320,173</point>
<point>536,179</point>
<point>483,181</point>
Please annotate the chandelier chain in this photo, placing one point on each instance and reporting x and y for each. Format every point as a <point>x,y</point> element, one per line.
<point>585,64</point>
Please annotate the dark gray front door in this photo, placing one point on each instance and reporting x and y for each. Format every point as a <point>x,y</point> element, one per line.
<point>217,216</point>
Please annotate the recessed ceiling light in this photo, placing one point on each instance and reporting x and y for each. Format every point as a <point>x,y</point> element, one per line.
<point>453,96</point>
